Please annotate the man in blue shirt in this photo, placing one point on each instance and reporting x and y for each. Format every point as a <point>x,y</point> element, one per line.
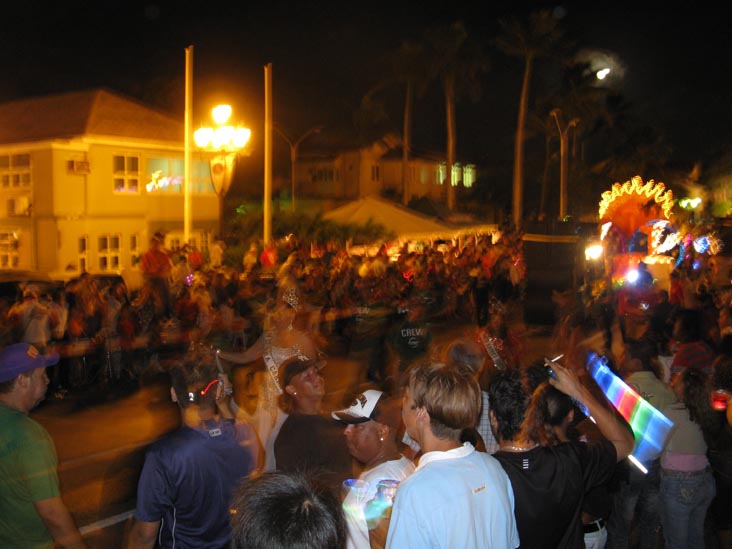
<point>189,477</point>
<point>457,497</point>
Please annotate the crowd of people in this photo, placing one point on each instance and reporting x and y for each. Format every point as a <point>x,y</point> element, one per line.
<point>456,445</point>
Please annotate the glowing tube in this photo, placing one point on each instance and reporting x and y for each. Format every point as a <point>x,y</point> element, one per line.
<point>650,427</point>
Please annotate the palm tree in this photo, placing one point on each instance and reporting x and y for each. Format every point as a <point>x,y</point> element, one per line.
<point>459,63</point>
<point>410,67</point>
<point>529,41</point>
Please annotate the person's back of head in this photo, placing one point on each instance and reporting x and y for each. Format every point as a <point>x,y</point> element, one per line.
<point>467,353</point>
<point>449,393</point>
<point>279,510</point>
<point>688,326</point>
<point>509,399</point>
<point>642,350</point>
<point>195,381</point>
<point>548,416</point>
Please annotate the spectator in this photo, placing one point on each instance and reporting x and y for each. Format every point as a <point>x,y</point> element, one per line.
<point>32,513</point>
<point>373,422</point>
<point>33,320</point>
<point>457,497</point>
<point>187,481</point>
<point>719,442</point>
<point>216,253</point>
<point>550,480</point>
<point>470,355</point>
<point>687,483</point>
<point>309,441</point>
<point>691,351</point>
<point>638,494</point>
<point>156,268</point>
<point>286,511</point>
<point>409,339</point>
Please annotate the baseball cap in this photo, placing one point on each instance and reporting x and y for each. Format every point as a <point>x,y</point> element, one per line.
<point>371,405</point>
<point>19,358</point>
<point>295,366</point>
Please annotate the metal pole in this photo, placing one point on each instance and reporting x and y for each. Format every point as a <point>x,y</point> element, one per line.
<point>267,206</point>
<point>293,160</point>
<point>187,146</point>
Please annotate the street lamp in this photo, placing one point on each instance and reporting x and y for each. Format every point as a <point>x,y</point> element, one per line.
<point>294,146</point>
<point>563,138</point>
<point>226,142</point>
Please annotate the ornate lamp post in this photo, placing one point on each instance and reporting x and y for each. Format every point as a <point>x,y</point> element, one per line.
<point>225,142</point>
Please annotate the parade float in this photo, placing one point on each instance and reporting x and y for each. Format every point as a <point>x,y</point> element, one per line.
<point>637,225</point>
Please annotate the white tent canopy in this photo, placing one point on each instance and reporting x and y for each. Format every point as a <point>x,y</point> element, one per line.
<point>405,223</point>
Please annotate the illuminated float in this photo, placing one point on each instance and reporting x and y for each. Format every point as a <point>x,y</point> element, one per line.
<point>636,220</point>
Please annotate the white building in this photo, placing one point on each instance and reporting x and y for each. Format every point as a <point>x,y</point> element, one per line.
<point>87,177</point>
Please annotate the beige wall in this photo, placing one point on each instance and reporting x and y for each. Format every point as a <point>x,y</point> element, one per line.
<point>68,205</point>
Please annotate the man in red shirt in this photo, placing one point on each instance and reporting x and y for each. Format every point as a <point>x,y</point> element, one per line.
<point>156,267</point>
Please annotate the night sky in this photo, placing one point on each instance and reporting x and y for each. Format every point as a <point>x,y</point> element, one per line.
<point>324,57</point>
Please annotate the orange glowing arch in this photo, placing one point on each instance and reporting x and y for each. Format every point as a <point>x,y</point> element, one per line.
<point>632,204</point>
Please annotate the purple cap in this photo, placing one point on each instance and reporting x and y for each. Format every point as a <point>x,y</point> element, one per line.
<point>20,358</point>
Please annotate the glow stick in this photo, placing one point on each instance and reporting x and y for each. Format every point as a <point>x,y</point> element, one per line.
<point>650,427</point>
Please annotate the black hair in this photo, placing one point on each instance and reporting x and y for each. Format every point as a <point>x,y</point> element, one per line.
<point>696,398</point>
<point>547,410</point>
<point>194,381</point>
<point>280,510</point>
<point>509,399</point>
<point>689,325</point>
<point>643,350</point>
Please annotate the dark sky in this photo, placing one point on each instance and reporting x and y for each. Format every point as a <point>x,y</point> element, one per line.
<point>326,55</point>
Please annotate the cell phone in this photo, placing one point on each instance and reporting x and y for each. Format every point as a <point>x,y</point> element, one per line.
<point>720,397</point>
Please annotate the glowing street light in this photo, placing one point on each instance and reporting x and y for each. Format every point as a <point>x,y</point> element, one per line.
<point>226,142</point>
<point>294,147</point>
<point>563,170</point>
<point>602,73</point>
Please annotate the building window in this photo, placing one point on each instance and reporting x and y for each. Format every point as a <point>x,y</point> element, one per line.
<point>135,253</point>
<point>457,174</point>
<point>468,175</point>
<point>15,170</point>
<point>165,176</point>
<point>441,173</point>
<point>375,172</point>
<point>83,253</point>
<point>108,252</point>
<point>126,174</point>
<point>9,249</point>
<point>19,206</point>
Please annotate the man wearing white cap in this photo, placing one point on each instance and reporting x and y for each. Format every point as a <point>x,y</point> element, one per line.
<point>373,422</point>
<point>32,513</point>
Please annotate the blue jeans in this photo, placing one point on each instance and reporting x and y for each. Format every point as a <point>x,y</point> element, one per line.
<point>685,498</point>
<point>637,498</point>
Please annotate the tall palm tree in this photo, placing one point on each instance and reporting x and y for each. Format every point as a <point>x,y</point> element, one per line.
<point>410,67</point>
<point>530,41</point>
<point>458,61</point>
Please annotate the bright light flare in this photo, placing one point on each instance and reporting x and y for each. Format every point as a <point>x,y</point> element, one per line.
<point>632,276</point>
<point>593,252</point>
<point>602,73</point>
<point>221,114</point>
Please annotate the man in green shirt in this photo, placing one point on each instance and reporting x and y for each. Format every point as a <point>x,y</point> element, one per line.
<point>32,514</point>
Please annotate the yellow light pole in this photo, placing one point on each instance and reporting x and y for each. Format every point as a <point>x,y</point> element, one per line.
<point>226,143</point>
